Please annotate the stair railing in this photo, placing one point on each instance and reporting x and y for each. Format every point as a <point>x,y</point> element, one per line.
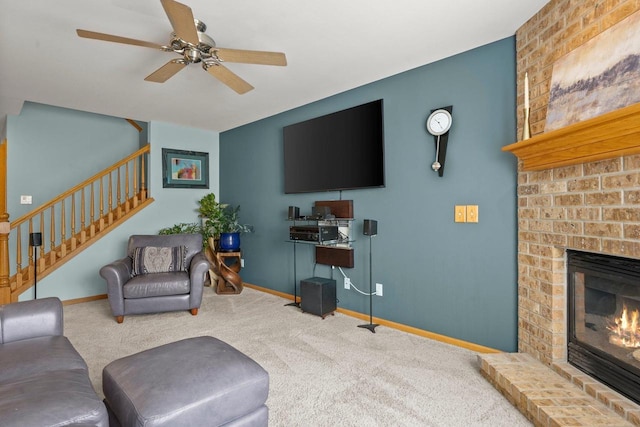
<point>73,220</point>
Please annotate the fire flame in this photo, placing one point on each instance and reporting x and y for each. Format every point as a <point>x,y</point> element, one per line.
<point>625,332</point>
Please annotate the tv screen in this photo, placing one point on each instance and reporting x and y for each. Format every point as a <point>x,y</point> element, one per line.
<point>339,151</point>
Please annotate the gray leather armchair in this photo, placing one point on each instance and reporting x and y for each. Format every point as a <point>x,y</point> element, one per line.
<point>133,290</point>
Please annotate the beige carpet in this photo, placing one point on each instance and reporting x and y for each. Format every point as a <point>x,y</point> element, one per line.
<point>322,372</point>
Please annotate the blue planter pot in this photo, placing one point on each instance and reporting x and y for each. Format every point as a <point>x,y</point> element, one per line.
<point>230,242</point>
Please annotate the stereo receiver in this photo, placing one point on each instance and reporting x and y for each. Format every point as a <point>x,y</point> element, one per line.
<point>314,233</point>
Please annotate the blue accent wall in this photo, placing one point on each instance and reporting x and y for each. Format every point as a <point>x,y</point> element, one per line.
<point>455,279</point>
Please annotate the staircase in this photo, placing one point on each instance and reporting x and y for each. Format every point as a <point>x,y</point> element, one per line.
<point>69,223</point>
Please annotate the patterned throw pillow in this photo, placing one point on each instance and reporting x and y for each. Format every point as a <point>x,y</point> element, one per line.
<point>153,259</point>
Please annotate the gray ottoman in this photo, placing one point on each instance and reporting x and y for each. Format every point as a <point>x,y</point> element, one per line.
<point>194,382</point>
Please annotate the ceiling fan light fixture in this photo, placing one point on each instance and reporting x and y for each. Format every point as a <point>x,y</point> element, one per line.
<point>206,42</point>
<point>192,55</point>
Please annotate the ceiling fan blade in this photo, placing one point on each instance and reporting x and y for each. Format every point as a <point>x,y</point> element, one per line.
<point>165,72</point>
<point>229,78</point>
<point>181,18</point>
<point>251,56</point>
<point>116,39</point>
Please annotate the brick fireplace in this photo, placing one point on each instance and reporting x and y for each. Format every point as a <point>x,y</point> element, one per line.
<point>592,206</point>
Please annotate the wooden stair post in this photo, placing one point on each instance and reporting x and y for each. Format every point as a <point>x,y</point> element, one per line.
<point>5,228</point>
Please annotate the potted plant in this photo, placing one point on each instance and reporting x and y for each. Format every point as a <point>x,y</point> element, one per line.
<point>221,221</point>
<point>230,228</point>
<point>218,220</point>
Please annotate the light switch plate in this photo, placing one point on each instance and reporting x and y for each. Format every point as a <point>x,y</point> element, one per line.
<point>472,213</point>
<point>460,213</point>
<point>26,200</point>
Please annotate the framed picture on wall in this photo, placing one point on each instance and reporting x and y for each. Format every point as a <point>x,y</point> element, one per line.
<point>184,169</point>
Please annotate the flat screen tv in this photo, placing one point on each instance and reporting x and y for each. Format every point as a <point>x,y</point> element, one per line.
<point>339,151</point>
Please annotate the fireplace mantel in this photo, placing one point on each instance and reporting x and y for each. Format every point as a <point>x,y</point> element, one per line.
<point>609,135</point>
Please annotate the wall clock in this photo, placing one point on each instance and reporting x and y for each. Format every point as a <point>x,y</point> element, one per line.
<point>438,124</point>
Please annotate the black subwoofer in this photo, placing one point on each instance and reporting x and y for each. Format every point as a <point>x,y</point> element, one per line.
<point>318,296</point>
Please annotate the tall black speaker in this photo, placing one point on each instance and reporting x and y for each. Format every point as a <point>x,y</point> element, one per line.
<point>318,296</point>
<point>370,227</point>
<point>35,239</point>
<point>294,212</point>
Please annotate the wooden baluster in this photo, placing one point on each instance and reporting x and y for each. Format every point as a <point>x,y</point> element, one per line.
<point>83,224</point>
<point>126,187</point>
<point>119,199</point>
<point>42,261</point>
<point>92,214</point>
<point>5,229</point>
<point>110,213</point>
<point>102,202</point>
<point>74,239</point>
<point>63,229</point>
<point>19,276</point>
<point>135,183</point>
<point>32,261</point>
<point>52,237</point>
<point>143,190</point>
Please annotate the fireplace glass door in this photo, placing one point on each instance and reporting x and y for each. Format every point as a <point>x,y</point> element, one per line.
<point>604,319</point>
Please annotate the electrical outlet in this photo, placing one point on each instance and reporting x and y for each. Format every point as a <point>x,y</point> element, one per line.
<point>347,283</point>
<point>242,262</point>
<point>379,289</point>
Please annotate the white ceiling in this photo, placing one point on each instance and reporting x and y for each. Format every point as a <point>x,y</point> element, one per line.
<point>331,46</point>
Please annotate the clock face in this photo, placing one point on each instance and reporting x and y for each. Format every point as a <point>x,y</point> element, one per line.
<point>439,122</point>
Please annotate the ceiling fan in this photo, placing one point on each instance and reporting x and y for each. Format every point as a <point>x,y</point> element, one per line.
<point>189,40</point>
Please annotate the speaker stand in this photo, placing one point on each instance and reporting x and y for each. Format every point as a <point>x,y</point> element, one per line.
<point>295,302</point>
<point>35,272</point>
<point>370,326</point>
<point>35,241</point>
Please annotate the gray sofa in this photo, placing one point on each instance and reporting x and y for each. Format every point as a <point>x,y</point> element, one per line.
<point>158,291</point>
<point>43,379</point>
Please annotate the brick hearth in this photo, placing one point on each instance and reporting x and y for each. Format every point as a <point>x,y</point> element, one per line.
<point>557,396</point>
